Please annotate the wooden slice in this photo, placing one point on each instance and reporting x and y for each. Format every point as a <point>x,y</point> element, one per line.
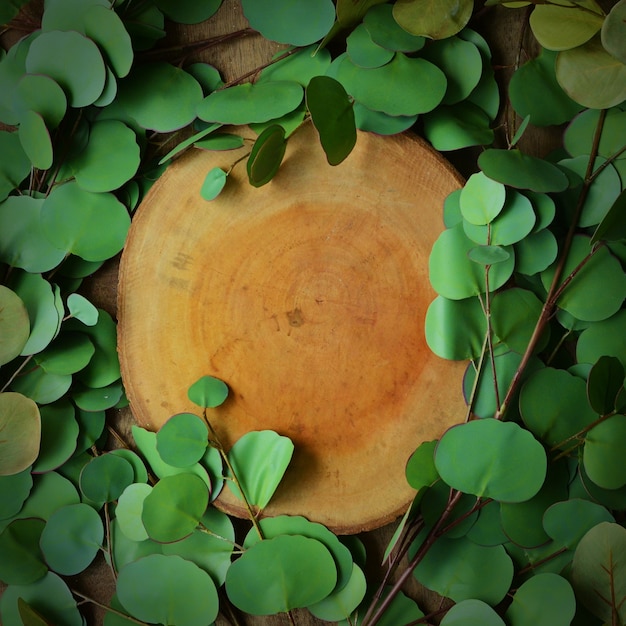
<point>307,297</point>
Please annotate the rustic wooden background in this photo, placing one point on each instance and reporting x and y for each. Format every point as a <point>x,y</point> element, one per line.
<point>511,42</point>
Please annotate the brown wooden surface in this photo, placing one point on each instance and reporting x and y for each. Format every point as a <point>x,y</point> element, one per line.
<point>505,32</point>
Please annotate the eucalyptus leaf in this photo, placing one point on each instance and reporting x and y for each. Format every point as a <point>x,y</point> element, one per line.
<point>220,141</point>
<point>603,338</point>
<point>259,460</point>
<point>20,424</point>
<point>508,465</point>
<point>300,65</point>
<point>386,32</point>
<point>298,572</point>
<point>602,457</point>
<point>612,227</point>
<point>67,354</point>
<point>42,387</point>
<point>213,183</point>
<point>188,11</point>
<point>605,382</point>
<point>333,116</point>
<point>536,252</point>
<point>50,492</point>
<point>22,562</point>
<point>458,126</point>
<point>35,139</point>
<point>364,52</point>
<point>105,477</point>
<point>14,165</point>
<point>208,392</point>
<point>431,18</point>
<point>420,468</point>
<point>481,199</point>
<point>266,155</point>
<point>14,490</point>
<point>342,602</point>
<point>59,432</point>
<point>14,324</point>
<point>167,590</point>
<point>514,315</point>
<point>81,309</point>
<point>579,134</point>
<point>182,440</point>
<point>614,33</point>
<point>380,123</point>
<point>297,22</point>
<point>471,613</point>
<point>10,9</point>
<point>98,398</point>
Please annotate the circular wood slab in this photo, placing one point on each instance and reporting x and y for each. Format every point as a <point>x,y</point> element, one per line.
<point>307,297</point>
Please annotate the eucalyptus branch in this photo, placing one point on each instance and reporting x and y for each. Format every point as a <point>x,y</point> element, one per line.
<point>554,291</point>
<point>207,531</point>
<point>546,559</point>
<point>579,435</point>
<point>109,536</point>
<point>17,372</point>
<point>215,441</point>
<point>109,609</point>
<point>492,356</point>
<point>260,68</point>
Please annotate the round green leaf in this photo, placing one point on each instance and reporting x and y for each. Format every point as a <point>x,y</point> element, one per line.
<point>578,137</point>
<point>105,477</point>
<point>214,182</point>
<point>73,61</point>
<point>98,399</point>
<point>71,538</point>
<point>564,27</point>
<point>221,141</point>
<point>500,460</point>
<point>614,33</point>
<point>50,492</point>
<point>81,309</point>
<point>208,392</point>
<point>68,14</point>
<point>91,426</point>
<point>247,103</point>
<point>543,600</point>
<point>42,387</point>
<point>14,325</point>
<point>423,85</point>
<point>454,275</point>
<point>20,425</point>
<point>462,570</point>
<point>536,252</point>
<point>513,168</point>
<point>298,22</point>
<point>612,226</point>
<point>514,314</point>
<point>597,291</point>
<point>173,508</point>
<point>182,440</point>
<point>379,122</point>
<point>163,589</point>
<point>603,338</point>
<point>457,126</point>
<point>333,116</point>
<point>36,140</point>
<point>472,613</point>
<point>266,155</point>
<point>145,95</point>
<point>341,603</point>
<point>591,76</point>
<point>22,244</point>
<point>297,572</point>
<point>14,489</point>
<point>49,596</point>
<point>434,502</point>
<point>604,383</point>
<point>535,91</point>
<point>69,353</point>
<point>456,329</point>
<point>14,164</point>
<point>435,19</point>
<point>364,52</point>
<point>481,199</point>
<point>259,460</point>
<point>603,453</point>
<point>110,159</point>
<point>59,431</point>
<point>386,32</point>
<point>488,254</point>
<point>553,404</point>
<point>487,530</point>
<point>420,468</point>
<point>21,561</point>
<point>567,522</point>
<point>91,225</point>
<point>599,571</point>
<point>129,509</point>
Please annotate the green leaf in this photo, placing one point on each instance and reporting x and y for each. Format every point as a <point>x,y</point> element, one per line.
<point>69,353</point>
<point>597,291</point>
<point>208,392</point>
<point>522,171</point>
<point>613,226</point>
<point>420,468</point>
<point>492,459</point>
<point>435,19</point>
<point>481,199</point>
<point>300,66</point>
<point>298,22</point>
<point>248,103</point>
<point>423,85</point>
<point>73,61</point>
<point>603,453</point>
<point>221,141</point>
<point>614,33</point>
<point>259,460</point>
<point>20,428</point>
<point>534,91</point>
<point>603,338</point>
<point>59,431</point>
<point>105,477</point>
<point>266,155</point>
<point>129,511</point>
<point>342,602</point>
<point>591,76</point>
<point>50,492</point>
<point>188,11</point>
<point>297,572</point>
<point>471,613</point>
<point>182,440</point>
<point>579,134</point>
<point>514,315</point>
<point>21,561</point>
<point>564,27</point>
<point>536,252</point>
<point>599,572</point>
<point>14,489</point>
<point>553,404</point>
<point>163,589</point>
<point>543,600</point>
<point>14,164</point>
<point>462,518</point>
<point>10,9</point>
<point>462,570</point>
<point>81,309</point>
<point>172,510</point>
<point>456,329</point>
<point>605,381</point>
<point>457,126</point>
<point>454,275</point>
<point>42,387</point>
<point>333,116</point>
<point>386,32</point>
<point>91,225</point>
<point>36,140</point>
<point>72,538</point>
<point>14,325</point>
<point>364,52</point>
<point>145,95</point>
<point>488,255</point>
<point>214,182</point>
<point>379,122</point>
<point>110,159</point>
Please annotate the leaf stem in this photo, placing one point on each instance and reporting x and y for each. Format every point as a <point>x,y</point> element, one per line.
<point>579,435</point>
<point>107,608</point>
<point>17,372</point>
